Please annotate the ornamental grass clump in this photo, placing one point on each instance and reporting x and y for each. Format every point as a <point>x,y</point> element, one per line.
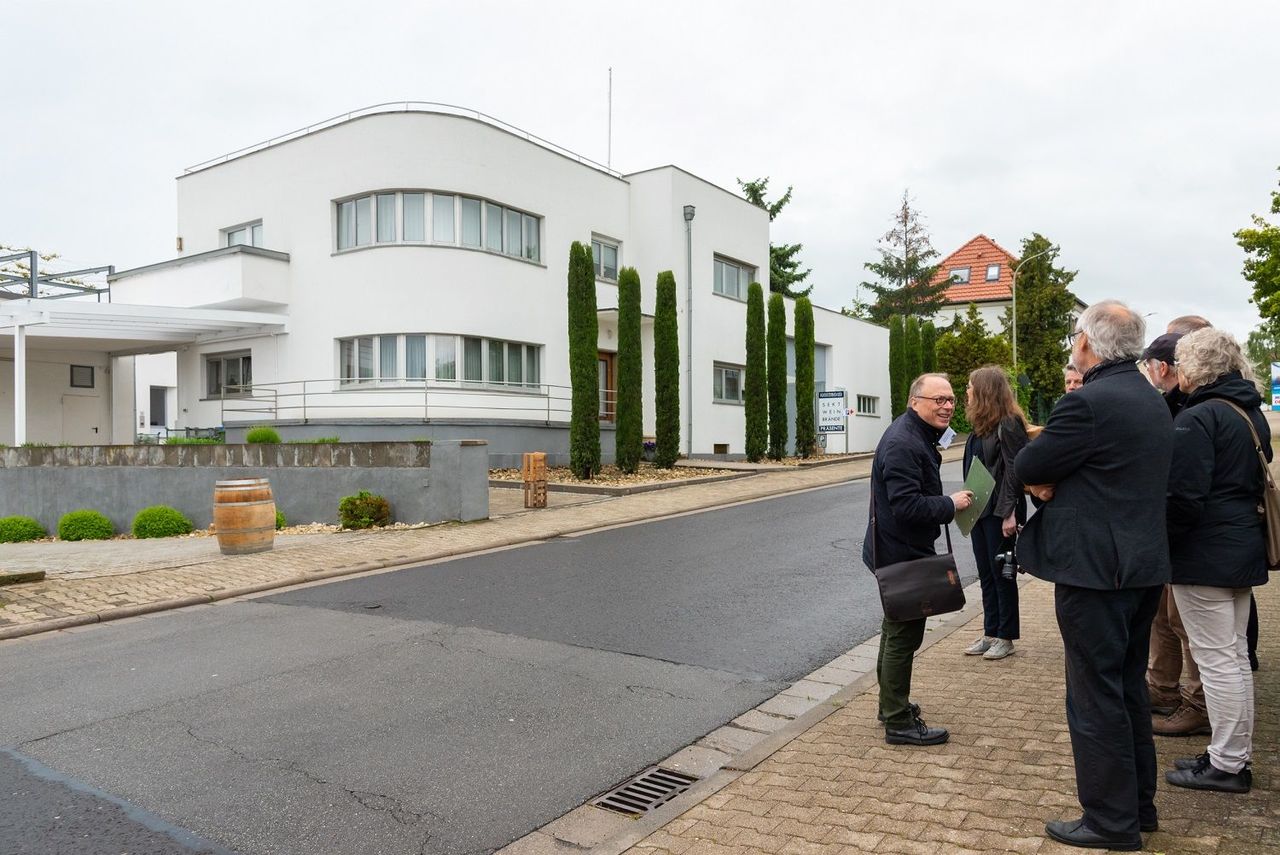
<point>161,521</point>
<point>85,524</point>
<point>20,530</point>
<point>364,510</point>
<point>262,436</point>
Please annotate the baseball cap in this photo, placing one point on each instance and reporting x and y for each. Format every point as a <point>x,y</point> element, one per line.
<point>1162,348</point>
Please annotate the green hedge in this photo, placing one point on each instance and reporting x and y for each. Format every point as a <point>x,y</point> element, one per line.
<point>161,521</point>
<point>85,524</point>
<point>20,529</point>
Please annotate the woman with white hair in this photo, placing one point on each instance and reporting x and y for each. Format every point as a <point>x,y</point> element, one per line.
<point>1217,545</point>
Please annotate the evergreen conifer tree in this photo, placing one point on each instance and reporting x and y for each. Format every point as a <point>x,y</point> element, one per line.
<point>911,340</point>
<point>629,437</point>
<point>928,348</point>
<point>755,389</point>
<point>584,332</point>
<point>898,381</point>
<point>777,359</point>
<point>806,432</point>
<point>666,372</point>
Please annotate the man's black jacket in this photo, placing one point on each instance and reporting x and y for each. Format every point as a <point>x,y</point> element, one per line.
<point>1106,449</point>
<point>907,487</point>
<point>1216,536</point>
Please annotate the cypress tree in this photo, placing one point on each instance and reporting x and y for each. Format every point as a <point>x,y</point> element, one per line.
<point>755,389</point>
<point>629,438</point>
<point>584,333</point>
<point>897,368</point>
<point>777,367</point>
<point>929,347</point>
<point>911,337</point>
<point>666,372</point>
<point>806,433</point>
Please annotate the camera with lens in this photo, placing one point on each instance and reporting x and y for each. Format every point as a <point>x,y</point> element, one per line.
<point>1006,561</point>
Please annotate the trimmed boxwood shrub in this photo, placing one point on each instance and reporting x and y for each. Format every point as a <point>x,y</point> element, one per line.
<point>85,524</point>
<point>161,521</point>
<point>281,522</point>
<point>364,510</point>
<point>262,435</point>
<point>20,529</point>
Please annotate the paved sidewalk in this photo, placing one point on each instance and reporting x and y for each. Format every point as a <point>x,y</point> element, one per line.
<point>835,787</point>
<point>72,599</point>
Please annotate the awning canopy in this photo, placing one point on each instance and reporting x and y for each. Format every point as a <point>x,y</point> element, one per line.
<point>120,329</point>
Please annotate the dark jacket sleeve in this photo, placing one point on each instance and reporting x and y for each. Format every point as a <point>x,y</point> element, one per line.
<point>1062,447</point>
<point>904,485</point>
<point>1190,475</point>
<point>1013,438</point>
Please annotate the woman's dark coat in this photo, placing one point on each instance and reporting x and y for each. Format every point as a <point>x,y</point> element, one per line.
<point>1216,535</point>
<point>996,451</point>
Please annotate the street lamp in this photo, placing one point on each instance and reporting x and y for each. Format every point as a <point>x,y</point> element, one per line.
<point>1013,291</point>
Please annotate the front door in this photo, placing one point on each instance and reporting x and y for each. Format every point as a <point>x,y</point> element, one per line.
<point>608,391</point>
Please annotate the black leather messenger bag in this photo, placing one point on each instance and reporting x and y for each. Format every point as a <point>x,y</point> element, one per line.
<point>915,589</point>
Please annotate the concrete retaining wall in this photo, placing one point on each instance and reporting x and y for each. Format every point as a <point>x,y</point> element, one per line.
<point>424,482</point>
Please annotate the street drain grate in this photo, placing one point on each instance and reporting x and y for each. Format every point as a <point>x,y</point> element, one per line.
<point>645,792</point>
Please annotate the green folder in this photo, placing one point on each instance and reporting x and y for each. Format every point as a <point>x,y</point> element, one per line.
<point>982,485</point>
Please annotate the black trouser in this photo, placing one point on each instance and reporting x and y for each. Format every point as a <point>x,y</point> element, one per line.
<point>1106,635</point>
<point>899,641</point>
<point>999,595</point>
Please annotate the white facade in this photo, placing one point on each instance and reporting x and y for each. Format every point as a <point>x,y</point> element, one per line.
<point>376,237</point>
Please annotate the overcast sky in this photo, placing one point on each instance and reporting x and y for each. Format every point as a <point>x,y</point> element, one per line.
<point>1138,136</point>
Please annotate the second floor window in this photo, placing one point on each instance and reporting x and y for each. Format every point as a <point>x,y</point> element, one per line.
<point>993,272</point>
<point>732,278</point>
<point>247,235</point>
<point>605,255</point>
<point>440,219</point>
<point>959,275</point>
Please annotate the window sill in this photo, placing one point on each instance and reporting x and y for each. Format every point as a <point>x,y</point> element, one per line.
<point>729,297</point>
<point>428,245</point>
<point>728,403</point>
<point>606,281</point>
<point>419,386</point>
<point>867,415</point>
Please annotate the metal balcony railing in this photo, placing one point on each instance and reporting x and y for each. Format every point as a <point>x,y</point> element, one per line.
<point>401,398</point>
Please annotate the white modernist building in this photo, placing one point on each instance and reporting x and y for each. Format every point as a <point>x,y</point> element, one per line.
<point>419,254</point>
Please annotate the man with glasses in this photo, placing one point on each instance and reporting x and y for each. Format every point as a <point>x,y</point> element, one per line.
<point>909,509</point>
<point>1100,538</point>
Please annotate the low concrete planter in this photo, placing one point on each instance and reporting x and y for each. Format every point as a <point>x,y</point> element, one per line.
<point>425,482</point>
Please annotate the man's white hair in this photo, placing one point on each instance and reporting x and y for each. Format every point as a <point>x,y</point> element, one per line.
<point>1115,331</point>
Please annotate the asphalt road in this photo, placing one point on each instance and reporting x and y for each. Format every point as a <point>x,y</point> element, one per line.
<point>449,708</point>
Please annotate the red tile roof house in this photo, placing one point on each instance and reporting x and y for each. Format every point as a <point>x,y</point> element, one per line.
<point>982,271</point>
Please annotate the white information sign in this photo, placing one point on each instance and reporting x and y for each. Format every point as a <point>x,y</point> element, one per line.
<point>831,411</point>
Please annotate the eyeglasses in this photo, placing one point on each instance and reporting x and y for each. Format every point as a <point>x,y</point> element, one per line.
<point>938,400</point>
<point>1071,337</point>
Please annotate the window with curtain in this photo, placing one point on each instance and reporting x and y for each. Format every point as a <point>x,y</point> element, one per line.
<point>492,227</point>
<point>471,222</point>
<point>386,217</point>
<point>415,216</point>
<point>415,357</point>
<point>511,236</point>
<point>497,356</point>
<point>473,360</point>
<point>364,221</point>
<point>347,224</point>
<point>530,237</point>
<point>531,374</point>
<point>442,218</point>
<point>446,357</point>
<point>388,353</point>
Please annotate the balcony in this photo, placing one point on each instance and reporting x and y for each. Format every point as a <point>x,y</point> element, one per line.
<point>234,277</point>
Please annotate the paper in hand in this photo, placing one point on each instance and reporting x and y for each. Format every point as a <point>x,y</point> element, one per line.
<point>982,485</point>
<point>948,435</point>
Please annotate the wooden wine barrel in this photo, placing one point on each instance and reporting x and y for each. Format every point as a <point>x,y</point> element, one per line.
<point>244,516</point>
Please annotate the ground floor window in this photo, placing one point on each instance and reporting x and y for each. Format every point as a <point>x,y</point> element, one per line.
<point>727,385</point>
<point>868,405</point>
<point>228,374</point>
<point>415,358</point>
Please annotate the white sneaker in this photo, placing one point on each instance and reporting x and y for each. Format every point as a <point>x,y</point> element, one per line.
<point>1000,648</point>
<point>979,647</point>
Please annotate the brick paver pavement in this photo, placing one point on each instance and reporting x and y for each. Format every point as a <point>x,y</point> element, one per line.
<point>64,602</point>
<point>837,788</point>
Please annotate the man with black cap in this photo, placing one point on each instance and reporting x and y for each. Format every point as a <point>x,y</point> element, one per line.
<point>1178,709</point>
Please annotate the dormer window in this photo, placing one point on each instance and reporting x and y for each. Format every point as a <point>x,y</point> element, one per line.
<point>959,275</point>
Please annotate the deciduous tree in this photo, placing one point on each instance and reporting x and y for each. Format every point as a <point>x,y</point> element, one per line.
<point>1044,320</point>
<point>1261,245</point>
<point>968,345</point>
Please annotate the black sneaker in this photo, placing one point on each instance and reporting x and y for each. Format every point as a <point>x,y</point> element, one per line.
<point>917,733</point>
<point>1199,761</point>
<point>1206,776</point>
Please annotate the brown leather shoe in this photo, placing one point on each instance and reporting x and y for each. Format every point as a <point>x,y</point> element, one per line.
<point>1164,702</point>
<point>1185,721</point>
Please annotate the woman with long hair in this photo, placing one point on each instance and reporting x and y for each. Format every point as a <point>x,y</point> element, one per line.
<point>999,433</point>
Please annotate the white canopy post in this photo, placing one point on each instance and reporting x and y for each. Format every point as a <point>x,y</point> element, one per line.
<point>19,384</point>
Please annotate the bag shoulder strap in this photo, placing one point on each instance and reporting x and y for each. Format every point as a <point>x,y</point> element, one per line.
<point>871,482</point>
<point>1268,481</point>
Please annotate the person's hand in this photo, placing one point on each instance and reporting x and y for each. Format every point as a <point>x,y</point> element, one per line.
<point>962,500</point>
<point>1043,492</point>
<point>1009,526</point>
